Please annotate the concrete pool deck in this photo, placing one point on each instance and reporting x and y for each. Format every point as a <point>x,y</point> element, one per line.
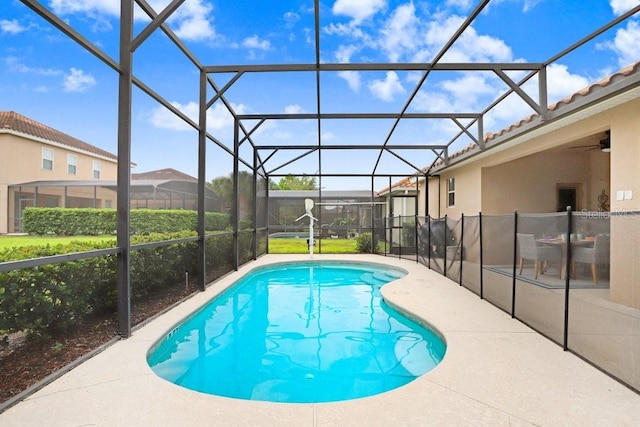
<point>496,372</point>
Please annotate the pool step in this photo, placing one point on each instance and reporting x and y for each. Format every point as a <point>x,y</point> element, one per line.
<point>380,277</point>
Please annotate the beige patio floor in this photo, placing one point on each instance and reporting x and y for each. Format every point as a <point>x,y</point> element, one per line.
<point>496,372</point>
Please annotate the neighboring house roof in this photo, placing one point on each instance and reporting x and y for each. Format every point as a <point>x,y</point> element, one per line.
<point>557,109</point>
<point>166,174</point>
<point>407,184</point>
<point>10,121</point>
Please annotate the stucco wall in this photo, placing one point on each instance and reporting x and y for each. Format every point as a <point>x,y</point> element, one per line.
<point>625,225</point>
<point>524,176</point>
<point>529,184</point>
<point>21,161</point>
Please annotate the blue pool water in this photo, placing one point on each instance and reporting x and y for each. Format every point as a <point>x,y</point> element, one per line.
<point>300,332</point>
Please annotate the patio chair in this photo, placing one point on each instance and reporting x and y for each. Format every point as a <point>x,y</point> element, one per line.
<point>595,256</point>
<point>541,255</point>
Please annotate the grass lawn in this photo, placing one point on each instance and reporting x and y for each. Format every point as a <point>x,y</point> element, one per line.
<point>299,246</point>
<point>13,241</point>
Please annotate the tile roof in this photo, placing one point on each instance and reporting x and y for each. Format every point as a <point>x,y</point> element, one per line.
<point>167,174</point>
<point>607,81</point>
<point>10,120</point>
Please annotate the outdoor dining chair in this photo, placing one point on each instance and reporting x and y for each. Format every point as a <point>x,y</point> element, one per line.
<point>541,255</point>
<point>595,256</point>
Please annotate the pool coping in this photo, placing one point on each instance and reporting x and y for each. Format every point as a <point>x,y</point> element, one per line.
<point>496,371</point>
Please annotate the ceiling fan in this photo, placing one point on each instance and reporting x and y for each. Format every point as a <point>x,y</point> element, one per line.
<point>603,145</point>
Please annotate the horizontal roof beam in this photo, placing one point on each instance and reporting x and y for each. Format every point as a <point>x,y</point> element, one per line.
<point>352,147</point>
<point>396,66</point>
<point>307,116</point>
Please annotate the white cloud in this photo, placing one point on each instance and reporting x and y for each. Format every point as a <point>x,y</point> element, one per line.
<point>328,136</point>
<point>621,6</point>
<point>67,7</point>
<point>254,42</point>
<point>11,27</point>
<point>344,30</point>
<point>78,81</point>
<point>352,78</point>
<point>468,90</point>
<point>388,88</point>
<point>470,46</point>
<point>561,83</point>
<point>343,55</point>
<point>13,64</point>
<point>400,32</point>
<point>218,117</point>
<point>358,10</point>
<point>626,44</point>
<point>290,19</point>
<point>294,109</point>
<point>191,21</point>
<point>461,4</point>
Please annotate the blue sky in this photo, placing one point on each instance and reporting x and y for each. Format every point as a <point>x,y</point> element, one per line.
<point>48,77</point>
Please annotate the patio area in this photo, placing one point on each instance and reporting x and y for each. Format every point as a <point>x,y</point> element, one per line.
<point>496,371</point>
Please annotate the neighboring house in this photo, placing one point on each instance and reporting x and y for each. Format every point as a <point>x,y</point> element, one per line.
<point>43,167</point>
<point>584,155</point>
<point>31,151</point>
<point>169,189</point>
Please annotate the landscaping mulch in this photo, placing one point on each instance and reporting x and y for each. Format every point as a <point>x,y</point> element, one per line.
<point>24,361</point>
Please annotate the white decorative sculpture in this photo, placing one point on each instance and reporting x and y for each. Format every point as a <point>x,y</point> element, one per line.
<point>308,205</point>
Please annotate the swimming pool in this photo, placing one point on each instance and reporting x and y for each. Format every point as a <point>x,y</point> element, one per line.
<point>300,332</point>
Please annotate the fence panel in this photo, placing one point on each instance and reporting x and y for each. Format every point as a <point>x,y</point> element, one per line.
<point>453,252</point>
<point>497,255</point>
<point>541,255</point>
<point>471,254</point>
<point>601,328</point>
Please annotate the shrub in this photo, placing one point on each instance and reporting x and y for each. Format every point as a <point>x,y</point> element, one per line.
<point>92,222</point>
<point>363,243</point>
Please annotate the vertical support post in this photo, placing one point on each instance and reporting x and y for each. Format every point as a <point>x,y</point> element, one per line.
<point>542,93</point>
<point>481,260</point>
<point>513,273</point>
<point>428,241</point>
<point>124,162</point>
<point>446,241</point>
<point>202,177</point>
<point>373,224</point>
<point>426,213</point>
<point>461,246</point>
<point>388,223</point>
<point>255,204</point>
<point>415,221</point>
<point>567,281</point>
<point>267,209</point>
<point>236,193</point>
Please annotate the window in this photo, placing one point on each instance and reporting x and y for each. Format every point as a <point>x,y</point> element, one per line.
<point>47,159</point>
<point>451,192</point>
<point>96,169</point>
<point>108,204</point>
<point>72,164</point>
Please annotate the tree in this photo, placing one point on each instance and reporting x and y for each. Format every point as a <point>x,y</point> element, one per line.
<point>291,182</point>
<point>223,186</point>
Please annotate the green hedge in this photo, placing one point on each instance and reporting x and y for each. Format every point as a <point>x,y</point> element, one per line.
<point>94,222</point>
<point>51,299</point>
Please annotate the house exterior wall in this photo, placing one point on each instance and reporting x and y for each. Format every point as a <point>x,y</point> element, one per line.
<point>625,234</point>
<point>21,161</point>
<point>525,176</point>
<point>541,174</point>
